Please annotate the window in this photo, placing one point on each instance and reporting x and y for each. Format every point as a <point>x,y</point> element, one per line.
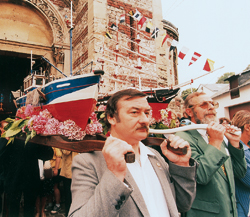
<point>234,88</point>
<point>39,81</point>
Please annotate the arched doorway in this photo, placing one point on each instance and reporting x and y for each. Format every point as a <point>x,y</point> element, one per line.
<point>26,27</point>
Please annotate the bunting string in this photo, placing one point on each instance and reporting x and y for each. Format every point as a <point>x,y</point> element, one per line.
<point>136,54</point>
<point>137,16</point>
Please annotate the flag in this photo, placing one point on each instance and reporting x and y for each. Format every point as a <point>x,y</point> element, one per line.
<point>114,27</point>
<point>195,57</point>
<point>164,38</point>
<point>173,45</point>
<point>148,27</point>
<point>137,15</point>
<point>122,18</point>
<point>155,33</point>
<point>142,21</point>
<point>209,65</point>
<point>108,35</point>
<point>183,52</point>
<point>131,13</point>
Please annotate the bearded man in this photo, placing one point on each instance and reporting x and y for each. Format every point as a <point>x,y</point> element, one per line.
<point>218,162</point>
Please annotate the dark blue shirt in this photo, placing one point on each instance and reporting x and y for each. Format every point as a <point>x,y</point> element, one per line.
<point>242,187</point>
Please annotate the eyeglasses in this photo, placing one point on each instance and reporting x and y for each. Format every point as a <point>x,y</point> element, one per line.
<point>205,104</point>
<point>185,122</point>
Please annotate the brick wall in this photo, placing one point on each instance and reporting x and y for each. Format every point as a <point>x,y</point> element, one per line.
<point>80,35</point>
<point>80,59</point>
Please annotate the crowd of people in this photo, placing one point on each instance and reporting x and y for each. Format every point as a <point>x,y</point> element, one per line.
<point>211,179</point>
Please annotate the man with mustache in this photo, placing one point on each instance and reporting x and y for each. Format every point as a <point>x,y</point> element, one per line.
<point>218,162</point>
<point>103,184</point>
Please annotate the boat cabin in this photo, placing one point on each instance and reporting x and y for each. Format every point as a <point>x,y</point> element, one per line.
<point>36,79</point>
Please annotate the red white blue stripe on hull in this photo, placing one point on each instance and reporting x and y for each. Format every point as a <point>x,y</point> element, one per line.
<point>68,98</point>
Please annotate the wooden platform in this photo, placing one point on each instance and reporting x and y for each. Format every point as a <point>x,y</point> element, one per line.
<point>89,143</point>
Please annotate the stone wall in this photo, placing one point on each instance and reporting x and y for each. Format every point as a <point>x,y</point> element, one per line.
<point>91,20</point>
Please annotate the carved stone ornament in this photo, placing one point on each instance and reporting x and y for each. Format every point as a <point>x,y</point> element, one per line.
<point>58,55</point>
<point>43,6</point>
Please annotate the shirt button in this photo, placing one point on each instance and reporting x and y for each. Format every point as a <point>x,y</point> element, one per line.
<point>119,202</point>
<point>122,198</point>
<point>117,207</point>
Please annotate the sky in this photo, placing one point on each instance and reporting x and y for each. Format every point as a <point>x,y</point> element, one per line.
<point>217,29</point>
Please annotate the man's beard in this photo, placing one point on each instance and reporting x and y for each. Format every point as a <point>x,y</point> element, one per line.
<point>205,119</point>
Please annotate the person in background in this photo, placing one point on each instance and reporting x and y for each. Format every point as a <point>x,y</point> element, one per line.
<point>224,121</point>
<point>45,190</point>
<point>218,163</point>
<point>103,184</point>
<point>66,174</point>
<point>241,119</point>
<point>184,122</point>
<point>21,172</point>
<point>56,166</point>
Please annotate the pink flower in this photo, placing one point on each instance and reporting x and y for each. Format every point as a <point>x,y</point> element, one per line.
<point>29,110</point>
<point>101,108</point>
<point>45,113</point>
<point>98,127</point>
<point>71,130</point>
<point>93,117</point>
<point>20,113</point>
<point>91,129</point>
<point>37,123</point>
<point>51,127</point>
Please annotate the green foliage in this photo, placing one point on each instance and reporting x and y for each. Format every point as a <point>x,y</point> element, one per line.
<point>158,125</point>
<point>247,68</point>
<point>13,129</point>
<point>186,92</point>
<point>223,77</point>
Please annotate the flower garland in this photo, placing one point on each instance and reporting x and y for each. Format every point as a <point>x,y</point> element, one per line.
<point>30,121</point>
<point>166,121</point>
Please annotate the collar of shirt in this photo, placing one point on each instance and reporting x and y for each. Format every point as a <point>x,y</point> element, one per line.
<point>244,146</point>
<point>203,133</point>
<point>148,183</point>
<point>144,152</point>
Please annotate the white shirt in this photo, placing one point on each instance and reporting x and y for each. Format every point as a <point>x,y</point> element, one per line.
<point>149,184</point>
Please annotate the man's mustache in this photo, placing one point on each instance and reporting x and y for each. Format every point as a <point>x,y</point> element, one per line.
<point>210,113</point>
<point>143,127</point>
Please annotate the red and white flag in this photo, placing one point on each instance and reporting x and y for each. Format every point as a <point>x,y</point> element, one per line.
<point>142,21</point>
<point>195,57</point>
<point>164,38</point>
<point>183,52</point>
<point>122,18</point>
<point>209,65</point>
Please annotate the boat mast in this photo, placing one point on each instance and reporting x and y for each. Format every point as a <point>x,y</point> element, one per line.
<point>71,29</point>
<point>31,62</point>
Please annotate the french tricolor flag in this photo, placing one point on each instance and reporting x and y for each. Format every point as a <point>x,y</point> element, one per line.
<point>195,57</point>
<point>183,52</point>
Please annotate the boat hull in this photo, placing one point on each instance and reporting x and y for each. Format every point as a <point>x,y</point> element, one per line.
<point>78,111</point>
<point>72,98</point>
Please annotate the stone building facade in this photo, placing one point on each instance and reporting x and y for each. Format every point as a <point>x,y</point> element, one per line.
<point>43,26</point>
